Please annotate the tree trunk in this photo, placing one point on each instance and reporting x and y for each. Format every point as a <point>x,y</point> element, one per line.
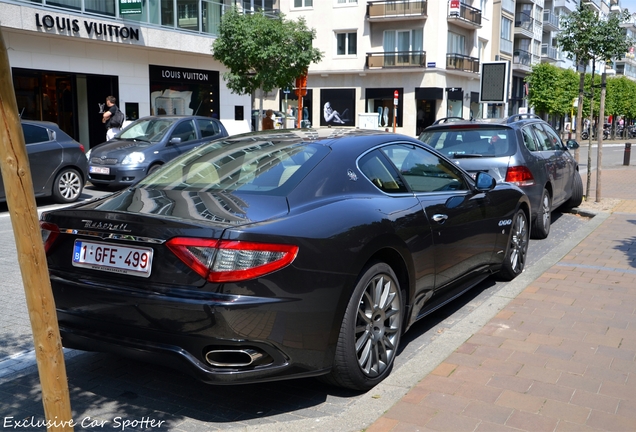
<point>18,186</point>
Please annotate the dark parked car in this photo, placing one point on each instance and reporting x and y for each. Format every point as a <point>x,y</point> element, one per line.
<point>521,149</point>
<point>281,254</point>
<point>146,144</point>
<point>58,163</point>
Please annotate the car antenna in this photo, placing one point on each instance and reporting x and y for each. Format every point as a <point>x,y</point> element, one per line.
<point>22,112</point>
<point>197,111</point>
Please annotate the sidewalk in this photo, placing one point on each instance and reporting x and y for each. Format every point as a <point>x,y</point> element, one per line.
<point>561,356</point>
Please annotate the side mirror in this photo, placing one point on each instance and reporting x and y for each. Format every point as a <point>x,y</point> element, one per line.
<point>571,144</point>
<point>485,182</point>
<point>175,140</point>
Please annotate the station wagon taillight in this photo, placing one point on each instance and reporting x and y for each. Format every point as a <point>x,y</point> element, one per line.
<point>231,261</point>
<point>520,176</point>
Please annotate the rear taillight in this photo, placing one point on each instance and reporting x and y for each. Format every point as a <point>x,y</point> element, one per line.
<point>231,261</point>
<point>49,231</point>
<point>82,147</point>
<point>519,175</point>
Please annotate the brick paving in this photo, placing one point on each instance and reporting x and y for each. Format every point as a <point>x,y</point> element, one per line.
<point>561,356</point>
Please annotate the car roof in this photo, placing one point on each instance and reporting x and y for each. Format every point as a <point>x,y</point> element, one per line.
<point>177,116</point>
<point>332,137</point>
<point>446,122</point>
<point>40,123</point>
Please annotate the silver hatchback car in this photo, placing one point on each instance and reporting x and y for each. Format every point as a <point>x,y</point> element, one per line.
<point>522,149</point>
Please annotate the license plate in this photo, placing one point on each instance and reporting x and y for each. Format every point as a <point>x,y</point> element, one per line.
<point>98,170</point>
<point>114,258</point>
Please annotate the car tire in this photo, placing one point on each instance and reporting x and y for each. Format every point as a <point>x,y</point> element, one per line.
<point>370,331</point>
<point>577,193</point>
<point>153,168</point>
<point>541,226</point>
<point>517,250</point>
<point>68,186</point>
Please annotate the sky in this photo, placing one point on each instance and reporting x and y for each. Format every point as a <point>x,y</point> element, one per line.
<point>629,4</point>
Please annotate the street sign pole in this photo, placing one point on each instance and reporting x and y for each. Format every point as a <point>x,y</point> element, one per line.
<point>396,95</point>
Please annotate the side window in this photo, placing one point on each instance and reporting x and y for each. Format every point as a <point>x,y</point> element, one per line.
<point>543,141</point>
<point>185,131</point>
<point>528,139</point>
<point>35,134</point>
<point>555,142</point>
<point>380,172</point>
<point>208,128</point>
<point>424,171</point>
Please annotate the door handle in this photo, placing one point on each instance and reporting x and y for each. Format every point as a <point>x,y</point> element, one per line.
<point>440,218</point>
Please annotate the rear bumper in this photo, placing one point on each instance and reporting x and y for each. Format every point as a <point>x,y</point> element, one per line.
<point>174,330</point>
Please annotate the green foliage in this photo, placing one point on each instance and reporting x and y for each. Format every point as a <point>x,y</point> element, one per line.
<point>263,52</point>
<point>552,89</point>
<point>621,92</point>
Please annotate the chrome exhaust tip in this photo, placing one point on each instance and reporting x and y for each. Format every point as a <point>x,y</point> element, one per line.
<point>233,357</point>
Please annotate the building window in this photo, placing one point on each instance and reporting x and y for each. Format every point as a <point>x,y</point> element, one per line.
<point>346,43</point>
<point>456,44</point>
<point>303,3</point>
<point>506,26</point>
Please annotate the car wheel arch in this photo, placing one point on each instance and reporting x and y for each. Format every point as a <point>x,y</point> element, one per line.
<point>154,166</point>
<point>403,269</point>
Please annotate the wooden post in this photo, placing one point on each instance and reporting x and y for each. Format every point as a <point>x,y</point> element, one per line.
<point>18,187</point>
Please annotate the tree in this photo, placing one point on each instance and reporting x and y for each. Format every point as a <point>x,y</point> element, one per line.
<point>263,52</point>
<point>586,37</point>
<point>551,89</point>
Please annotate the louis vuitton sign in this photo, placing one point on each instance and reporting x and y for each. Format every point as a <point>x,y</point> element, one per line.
<point>93,29</point>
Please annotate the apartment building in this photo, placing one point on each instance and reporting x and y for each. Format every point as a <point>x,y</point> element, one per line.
<point>427,51</point>
<point>154,56</point>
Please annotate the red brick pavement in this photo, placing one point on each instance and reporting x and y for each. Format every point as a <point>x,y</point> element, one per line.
<point>561,356</point>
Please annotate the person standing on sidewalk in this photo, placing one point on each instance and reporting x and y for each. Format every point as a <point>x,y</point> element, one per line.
<point>108,118</point>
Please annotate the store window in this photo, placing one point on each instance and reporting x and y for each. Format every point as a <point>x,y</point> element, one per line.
<point>184,91</point>
<point>346,43</point>
<point>380,100</point>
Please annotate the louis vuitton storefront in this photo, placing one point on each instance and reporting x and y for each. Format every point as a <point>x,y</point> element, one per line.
<point>65,61</point>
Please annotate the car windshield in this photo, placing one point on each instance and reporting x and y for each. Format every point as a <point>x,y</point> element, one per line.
<point>151,129</point>
<point>267,167</point>
<point>471,142</point>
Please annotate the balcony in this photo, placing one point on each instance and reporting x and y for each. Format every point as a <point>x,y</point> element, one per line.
<point>550,21</point>
<point>508,6</point>
<point>522,60</point>
<point>396,10</point>
<point>524,25</point>
<point>462,63</point>
<point>549,53</point>
<point>468,17</point>
<point>595,4</point>
<point>396,59</point>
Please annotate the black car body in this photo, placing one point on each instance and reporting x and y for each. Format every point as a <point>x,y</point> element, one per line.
<point>57,162</point>
<point>522,149</point>
<point>280,254</point>
<point>146,144</point>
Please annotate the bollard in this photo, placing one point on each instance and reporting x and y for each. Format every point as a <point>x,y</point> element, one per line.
<point>627,154</point>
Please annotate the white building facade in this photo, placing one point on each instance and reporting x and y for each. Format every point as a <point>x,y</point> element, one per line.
<point>426,51</point>
<point>66,56</point>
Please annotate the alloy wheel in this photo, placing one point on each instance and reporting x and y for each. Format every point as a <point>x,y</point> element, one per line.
<point>378,325</point>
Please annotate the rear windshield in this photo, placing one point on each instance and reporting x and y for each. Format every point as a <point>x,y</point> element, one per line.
<point>476,142</point>
<point>257,167</point>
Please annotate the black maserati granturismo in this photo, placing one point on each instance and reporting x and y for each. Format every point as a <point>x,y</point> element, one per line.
<point>281,254</point>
